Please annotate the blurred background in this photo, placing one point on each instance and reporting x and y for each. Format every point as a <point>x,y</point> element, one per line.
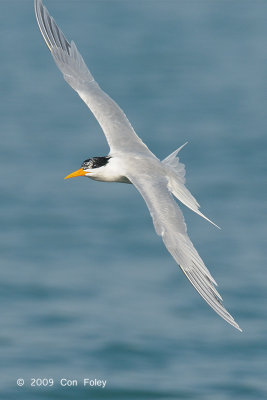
<point>87,289</point>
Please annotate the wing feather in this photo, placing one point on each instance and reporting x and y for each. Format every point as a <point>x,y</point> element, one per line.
<point>117,129</point>
<point>170,225</point>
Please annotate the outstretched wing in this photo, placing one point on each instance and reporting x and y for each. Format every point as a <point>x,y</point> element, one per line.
<point>170,225</point>
<point>119,133</point>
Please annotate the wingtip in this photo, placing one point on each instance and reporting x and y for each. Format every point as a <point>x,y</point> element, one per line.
<point>38,6</point>
<point>235,325</point>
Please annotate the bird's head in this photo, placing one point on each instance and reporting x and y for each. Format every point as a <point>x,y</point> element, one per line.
<point>90,167</point>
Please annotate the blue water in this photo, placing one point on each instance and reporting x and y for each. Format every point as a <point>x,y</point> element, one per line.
<point>87,289</point>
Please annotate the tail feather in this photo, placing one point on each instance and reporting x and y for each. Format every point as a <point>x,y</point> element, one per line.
<point>176,183</point>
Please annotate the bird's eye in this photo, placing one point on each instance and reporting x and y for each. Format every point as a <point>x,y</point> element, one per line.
<point>87,163</point>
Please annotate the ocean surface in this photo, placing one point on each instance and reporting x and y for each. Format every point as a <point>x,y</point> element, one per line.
<point>89,296</point>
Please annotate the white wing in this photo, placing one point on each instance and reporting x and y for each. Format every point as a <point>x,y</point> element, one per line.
<point>169,224</point>
<point>119,133</point>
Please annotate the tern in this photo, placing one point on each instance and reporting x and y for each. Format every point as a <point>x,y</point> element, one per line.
<point>130,161</point>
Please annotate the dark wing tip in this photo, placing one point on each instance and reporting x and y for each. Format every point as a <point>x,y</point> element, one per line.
<point>51,33</point>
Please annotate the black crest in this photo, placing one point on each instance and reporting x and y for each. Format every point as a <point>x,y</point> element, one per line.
<point>95,162</point>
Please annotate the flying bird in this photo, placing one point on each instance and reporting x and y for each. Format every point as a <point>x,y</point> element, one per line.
<point>130,161</point>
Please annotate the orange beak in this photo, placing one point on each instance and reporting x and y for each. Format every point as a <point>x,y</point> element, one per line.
<point>79,172</point>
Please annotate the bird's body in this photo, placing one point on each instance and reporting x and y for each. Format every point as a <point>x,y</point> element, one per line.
<point>130,161</point>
